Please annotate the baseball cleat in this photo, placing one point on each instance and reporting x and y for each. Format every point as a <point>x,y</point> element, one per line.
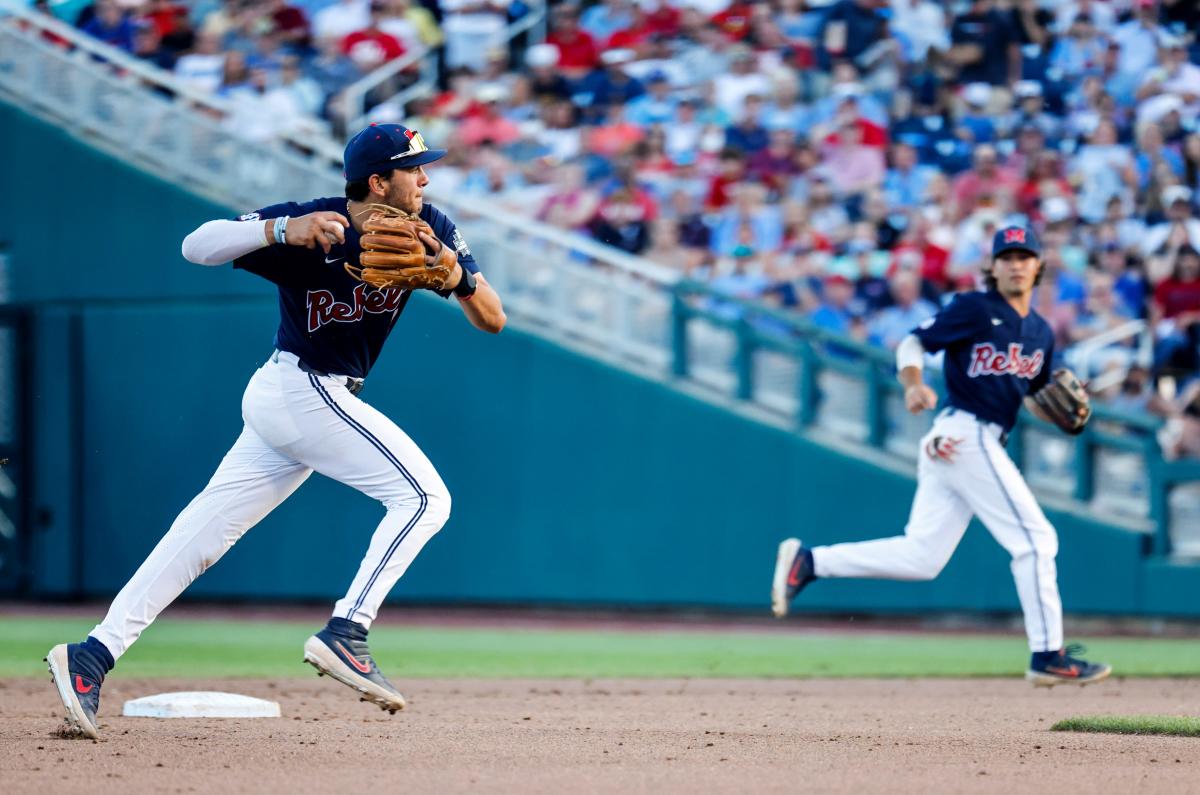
<point>78,686</point>
<point>1062,667</point>
<point>349,661</point>
<point>793,571</point>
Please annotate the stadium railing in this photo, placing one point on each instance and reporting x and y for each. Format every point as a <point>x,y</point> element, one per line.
<point>611,305</point>
<point>829,386</point>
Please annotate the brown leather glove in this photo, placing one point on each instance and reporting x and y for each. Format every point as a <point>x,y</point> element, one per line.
<point>1065,401</point>
<point>393,254</point>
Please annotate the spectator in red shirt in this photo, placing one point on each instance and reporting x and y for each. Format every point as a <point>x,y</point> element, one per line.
<point>1176,314</point>
<point>577,51</point>
<point>777,164</point>
<point>731,169</point>
<point>734,21</point>
<point>987,178</point>
<point>371,47</point>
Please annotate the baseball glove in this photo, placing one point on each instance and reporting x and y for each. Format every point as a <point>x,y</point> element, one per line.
<point>1065,401</point>
<point>393,254</point>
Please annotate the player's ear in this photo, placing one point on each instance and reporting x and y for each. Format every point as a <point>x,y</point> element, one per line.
<point>378,184</point>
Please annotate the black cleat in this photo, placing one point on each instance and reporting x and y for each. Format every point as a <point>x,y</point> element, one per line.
<point>78,686</point>
<point>1063,668</point>
<point>793,571</point>
<point>348,660</point>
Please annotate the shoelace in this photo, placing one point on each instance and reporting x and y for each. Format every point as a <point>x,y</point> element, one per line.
<point>1073,653</point>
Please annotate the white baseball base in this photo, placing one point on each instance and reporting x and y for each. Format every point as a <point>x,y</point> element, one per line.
<point>205,704</point>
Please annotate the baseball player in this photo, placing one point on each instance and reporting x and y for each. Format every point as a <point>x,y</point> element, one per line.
<point>997,356</point>
<point>302,413</point>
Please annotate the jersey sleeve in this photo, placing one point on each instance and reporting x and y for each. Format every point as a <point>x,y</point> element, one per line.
<point>447,232</point>
<point>274,263</point>
<point>960,320</point>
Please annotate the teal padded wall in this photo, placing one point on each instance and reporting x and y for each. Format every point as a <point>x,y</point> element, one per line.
<point>573,482</point>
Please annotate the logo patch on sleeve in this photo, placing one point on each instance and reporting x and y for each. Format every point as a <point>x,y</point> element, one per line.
<point>460,245</point>
<point>248,217</point>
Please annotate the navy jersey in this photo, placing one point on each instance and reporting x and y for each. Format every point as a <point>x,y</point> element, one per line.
<point>332,321</point>
<point>994,357</point>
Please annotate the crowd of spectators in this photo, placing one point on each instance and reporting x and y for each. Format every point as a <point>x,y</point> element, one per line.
<point>844,160</point>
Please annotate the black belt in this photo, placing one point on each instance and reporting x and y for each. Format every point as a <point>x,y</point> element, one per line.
<point>353,385</point>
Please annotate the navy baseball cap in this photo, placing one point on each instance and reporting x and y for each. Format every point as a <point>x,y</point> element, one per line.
<point>1015,238</point>
<point>382,147</point>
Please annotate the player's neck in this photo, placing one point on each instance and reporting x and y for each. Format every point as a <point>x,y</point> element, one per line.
<point>1021,302</point>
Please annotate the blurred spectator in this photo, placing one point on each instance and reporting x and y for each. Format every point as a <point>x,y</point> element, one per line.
<point>607,85</point>
<point>340,19</point>
<point>624,216</point>
<point>907,311</point>
<point>577,50</point>
<point>1176,313</point>
<point>371,47</point>
<point>472,27</point>
<point>111,25</point>
<point>983,43</point>
<point>203,68</point>
<point>545,81</point>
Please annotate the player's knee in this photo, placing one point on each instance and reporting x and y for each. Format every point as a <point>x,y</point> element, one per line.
<point>437,507</point>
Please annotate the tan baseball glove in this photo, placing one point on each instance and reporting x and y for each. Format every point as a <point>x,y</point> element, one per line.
<point>1065,401</point>
<point>393,254</point>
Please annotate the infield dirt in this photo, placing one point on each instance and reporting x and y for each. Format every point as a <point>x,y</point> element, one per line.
<point>724,735</point>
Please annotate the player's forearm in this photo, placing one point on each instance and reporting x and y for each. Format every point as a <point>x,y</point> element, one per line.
<point>220,241</point>
<point>484,309</point>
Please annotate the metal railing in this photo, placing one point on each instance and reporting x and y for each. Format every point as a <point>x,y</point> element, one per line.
<point>1082,354</point>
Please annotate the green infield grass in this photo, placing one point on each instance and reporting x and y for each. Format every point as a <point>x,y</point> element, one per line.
<point>210,648</point>
<point>1131,724</point>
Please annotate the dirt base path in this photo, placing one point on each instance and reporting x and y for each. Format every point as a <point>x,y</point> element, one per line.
<point>611,736</point>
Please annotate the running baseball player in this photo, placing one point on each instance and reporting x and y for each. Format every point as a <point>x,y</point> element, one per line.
<point>345,267</point>
<point>997,356</point>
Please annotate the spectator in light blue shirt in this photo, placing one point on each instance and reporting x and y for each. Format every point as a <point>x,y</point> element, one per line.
<point>907,311</point>
<point>905,182</point>
<point>655,107</point>
<point>606,18</point>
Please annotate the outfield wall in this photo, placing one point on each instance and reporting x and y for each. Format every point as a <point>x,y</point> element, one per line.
<point>573,482</point>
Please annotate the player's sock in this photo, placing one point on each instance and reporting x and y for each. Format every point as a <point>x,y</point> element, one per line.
<point>1041,658</point>
<point>347,628</point>
<point>99,657</point>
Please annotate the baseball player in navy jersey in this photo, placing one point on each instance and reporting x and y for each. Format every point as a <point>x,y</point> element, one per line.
<point>302,414</point>
<point>998,353</point>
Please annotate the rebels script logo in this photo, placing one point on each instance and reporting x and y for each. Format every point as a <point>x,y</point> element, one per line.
<point>986,360</point>
<point>324,308</point>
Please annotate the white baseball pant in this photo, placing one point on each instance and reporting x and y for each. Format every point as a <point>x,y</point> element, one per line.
<point>981,481</point>
<point>295,423</point>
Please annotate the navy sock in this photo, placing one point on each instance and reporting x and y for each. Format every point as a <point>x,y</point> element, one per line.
<point>347,628</point>
<point>1043,657</point>
<point>96,660</point>
<point>808,561</point>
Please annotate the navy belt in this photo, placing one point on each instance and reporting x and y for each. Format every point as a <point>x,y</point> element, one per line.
<point>353,385</point>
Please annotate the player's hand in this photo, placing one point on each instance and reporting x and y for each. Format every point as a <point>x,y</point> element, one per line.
<point>918,398</point>
<point>942,448</point>
<point>324,228</point>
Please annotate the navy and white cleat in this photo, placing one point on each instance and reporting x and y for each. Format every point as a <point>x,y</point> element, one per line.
<point>793,571</point>
<point>78,681</point>
<point>346,658</point>
<point>1064,668</point>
